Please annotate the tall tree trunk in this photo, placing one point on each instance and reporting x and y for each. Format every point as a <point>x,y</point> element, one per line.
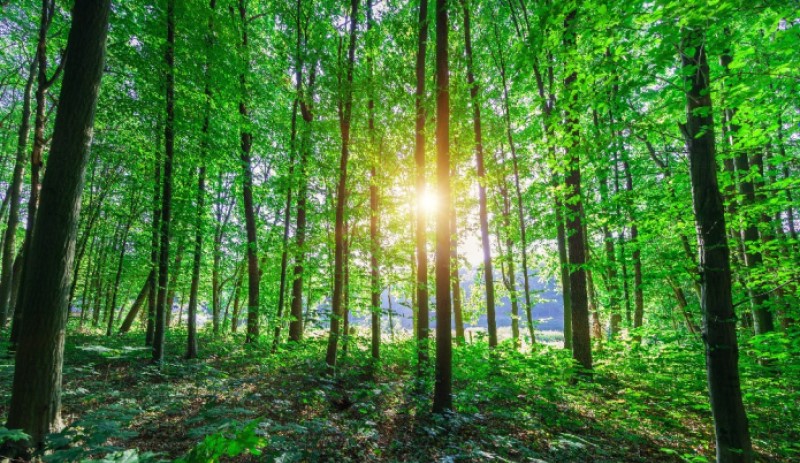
<point>442,390</point>
<point>483,214</point>
<point>563,263</point>
<point>152,298</point>
<point>36,393</point>
<point>174,278</point>
<point>420,234</point>
<point>345,110</point>
<point>15,190</point>
<point>753,259</point>
<point>521,217</point>
<point>253,274</point>
<point>287,214</point>
<point>375,246</point>
<point>40,120</point>
<point>615,319</point>
<point>296,324</point>
<point>511,279</point>
<point>166,197</point>
<point>120,261</point>
<point>191,339</point>
<point>636,255</point>
<point>454,277</point>
<point>719,321</point>
<point>581,345</point>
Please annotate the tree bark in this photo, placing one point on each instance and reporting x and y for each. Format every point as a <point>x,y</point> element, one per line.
<point>483,214</point>
<point>442,390</point>
<point>345,110</point>
<point>420,234</point>
<point>375,246</point>
<point>719,321</point>
<point>137,305</point>
<point>253,274</point>
<point>36,393</point>
<point>120,262</point>
<point>15,190</point>
<point>166,197</point>
<point>581,345</point>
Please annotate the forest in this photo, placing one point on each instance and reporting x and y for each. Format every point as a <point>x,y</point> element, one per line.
<point>400,231</point>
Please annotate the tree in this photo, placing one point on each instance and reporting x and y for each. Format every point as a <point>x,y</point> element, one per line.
<point>345,107</point>
<point>719,321</point>
<point>483,214</point>
<point>442,391</point>
<point>420,232</point>
<point>160,325</point>
<point>36,393</point>
<point>253,274</point>
<point>581,345</point>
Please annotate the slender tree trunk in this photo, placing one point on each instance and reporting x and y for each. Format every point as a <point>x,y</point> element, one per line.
<point>296,324</point>
<point>152,298</point>
<point>454,277</point>
<point>442,390</point>
<point>40,120</point>
<point>483,214</point>
<point>166,197</point>
<point>636,255</point>
<point>563,261</point>
<point>753,258</point>
<point>15,190</point>
<point>137,305</point>
<point>36,393</point>
<point>615,319</point>
<point>345,110</point>
<point>287,214</point>
<point>375,245</point>
<point>253,274</point>
<point>511,279</point>
<point>120,262</point>
<point>174,279</point>
<point>191,340</point>
<point>518,197</point>
<point>420,234</point>
<point>719,321</point>
<point>581,345</point>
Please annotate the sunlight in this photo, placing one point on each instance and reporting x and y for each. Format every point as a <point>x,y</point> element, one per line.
<point>429,202</point>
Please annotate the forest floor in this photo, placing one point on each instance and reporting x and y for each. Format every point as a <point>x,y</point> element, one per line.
<point>641,405</point>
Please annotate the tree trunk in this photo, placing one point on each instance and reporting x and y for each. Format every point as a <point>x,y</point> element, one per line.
<point>719,321</point>
<point>287,213</point>
<point>345,109</point>
<point>454,277</point>
<point>420,234</point>
<point>36,393</point>
<point>442,391</point>
<point>375,246</point>
<point>191,340</point>
<point>137,305</point>
<point>253,274</point>
<point>166,197</point>
<point>120,262</point>
<point>483,214</point>
<point>152,298</point>
<point>40,120</point>
<point>636,255</point>
<point>581,345</point>
<point>15,190</point>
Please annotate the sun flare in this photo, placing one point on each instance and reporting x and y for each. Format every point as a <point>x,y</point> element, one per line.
<point>429,202</point>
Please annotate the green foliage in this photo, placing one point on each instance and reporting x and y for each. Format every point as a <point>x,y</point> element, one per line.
<point>232,439</point>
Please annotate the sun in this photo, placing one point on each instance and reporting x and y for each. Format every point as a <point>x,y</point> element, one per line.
<point>429,201</point>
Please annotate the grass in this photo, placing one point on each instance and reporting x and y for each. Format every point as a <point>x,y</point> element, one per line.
<point>641,405</point>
